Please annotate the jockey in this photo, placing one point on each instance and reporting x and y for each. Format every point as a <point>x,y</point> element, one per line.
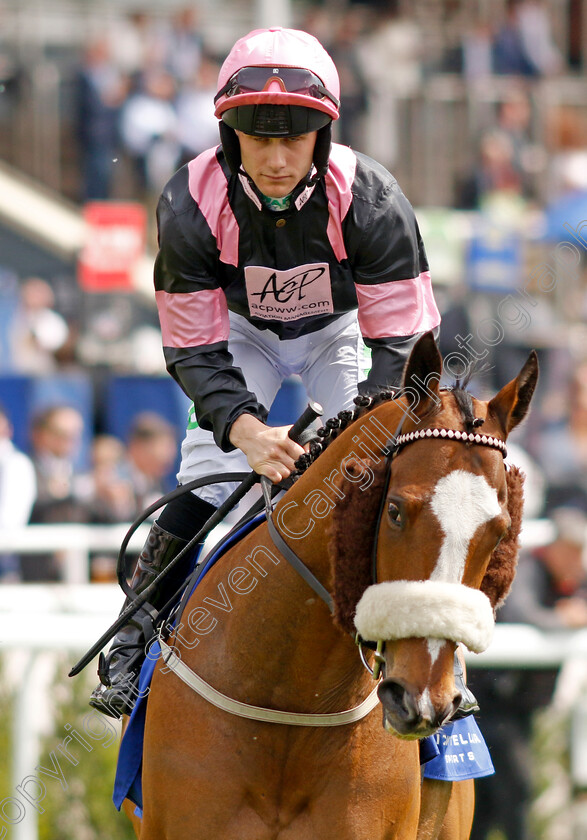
<point>280,253</point>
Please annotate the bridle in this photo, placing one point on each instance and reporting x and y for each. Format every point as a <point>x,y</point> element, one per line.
<point>393,447</point>
<point>227,704</point>
<point>391,450</point>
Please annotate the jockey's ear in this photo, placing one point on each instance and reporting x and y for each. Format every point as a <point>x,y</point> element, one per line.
<point>421,382</point>
<point>510,405</point>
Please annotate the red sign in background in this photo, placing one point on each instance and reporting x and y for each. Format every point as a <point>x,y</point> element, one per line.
<point>115,242</point>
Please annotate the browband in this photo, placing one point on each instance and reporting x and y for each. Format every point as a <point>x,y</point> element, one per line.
<point>452,434</point>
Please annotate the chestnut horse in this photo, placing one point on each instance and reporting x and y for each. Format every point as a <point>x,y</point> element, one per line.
<point>402,526</point>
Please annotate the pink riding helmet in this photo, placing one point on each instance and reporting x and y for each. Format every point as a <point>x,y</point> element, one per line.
<point>279,66</point>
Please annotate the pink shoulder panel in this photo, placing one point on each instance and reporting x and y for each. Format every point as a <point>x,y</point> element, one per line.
<point>209,189</point>
<point>339,181</point>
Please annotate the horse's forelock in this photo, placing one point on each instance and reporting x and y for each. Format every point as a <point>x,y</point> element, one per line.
<point>501,570</point>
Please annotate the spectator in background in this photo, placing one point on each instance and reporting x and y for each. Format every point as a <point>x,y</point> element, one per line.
<point>39,333</point>
<point>509,53</point>
<point>343,49</point>
<point>18,491</point>
<point>514,120</point>
<point>197,126</point>
<point>152,453</point>
<point>108,493</point>
<point>533,18</point>
<point>107,488</point>
<point>391,55</point>
<point>561,447</point>
<point>100,92</point>
<point>476,48</point>
<point>136,42</point>
<point>494,172</point>
<point>184,45</point>
<point>149,130</point>
<point>56,435</point>
<point>550,589</point>
<point>523,44</point>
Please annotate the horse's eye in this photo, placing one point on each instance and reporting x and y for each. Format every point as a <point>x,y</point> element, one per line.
<point>394,513</point>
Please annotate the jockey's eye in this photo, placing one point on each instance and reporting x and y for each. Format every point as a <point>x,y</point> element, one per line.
<point>394,513</point>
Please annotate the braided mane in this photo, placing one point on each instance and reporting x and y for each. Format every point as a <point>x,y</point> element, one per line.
<point>365,404</point>
<point>335,425</point>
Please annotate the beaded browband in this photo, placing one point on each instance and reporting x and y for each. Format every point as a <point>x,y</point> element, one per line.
<point>452,434</point>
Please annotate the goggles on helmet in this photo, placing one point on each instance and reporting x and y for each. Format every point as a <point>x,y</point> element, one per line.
<point>290,79</point>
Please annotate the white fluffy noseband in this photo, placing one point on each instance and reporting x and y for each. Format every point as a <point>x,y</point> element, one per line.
<point>406,609</point>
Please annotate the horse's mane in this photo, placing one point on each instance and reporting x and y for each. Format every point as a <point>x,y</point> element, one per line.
<point>333,427</point>
<point>351,537</point>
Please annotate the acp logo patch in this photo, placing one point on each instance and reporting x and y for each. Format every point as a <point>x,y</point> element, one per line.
<point>289,295</point>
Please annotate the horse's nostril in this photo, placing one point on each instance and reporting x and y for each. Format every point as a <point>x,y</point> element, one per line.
<point>396,699</point>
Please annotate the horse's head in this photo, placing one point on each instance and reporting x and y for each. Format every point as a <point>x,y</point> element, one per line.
<point>446,534</point>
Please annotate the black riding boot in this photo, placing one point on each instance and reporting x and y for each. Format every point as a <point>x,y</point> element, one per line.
<point>119,670</point>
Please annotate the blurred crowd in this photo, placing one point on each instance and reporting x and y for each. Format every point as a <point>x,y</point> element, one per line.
<point>143,91</point>
<point>51,484</point>
<point>146,90</point>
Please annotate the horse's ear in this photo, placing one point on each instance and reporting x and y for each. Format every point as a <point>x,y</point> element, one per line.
<point>510,405</point>
<point>422,373</point>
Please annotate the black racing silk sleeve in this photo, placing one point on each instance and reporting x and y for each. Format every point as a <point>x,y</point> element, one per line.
<point>185,266</point>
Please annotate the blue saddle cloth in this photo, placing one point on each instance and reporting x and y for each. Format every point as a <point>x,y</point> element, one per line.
<point>127,783</point>
<point>458,751</point>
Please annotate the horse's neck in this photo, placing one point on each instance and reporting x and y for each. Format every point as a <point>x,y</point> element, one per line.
<point>261,627</point>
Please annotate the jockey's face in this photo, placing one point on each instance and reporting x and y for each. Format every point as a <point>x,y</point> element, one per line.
<point>277,164</point>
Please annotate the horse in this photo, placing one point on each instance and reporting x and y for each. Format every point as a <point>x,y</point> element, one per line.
<point>407,520</point>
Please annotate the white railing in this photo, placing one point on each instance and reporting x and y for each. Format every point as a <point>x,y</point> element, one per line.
<point>75,543</point>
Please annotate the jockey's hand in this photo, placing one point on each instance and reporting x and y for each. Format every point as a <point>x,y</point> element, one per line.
<point>269,450</point>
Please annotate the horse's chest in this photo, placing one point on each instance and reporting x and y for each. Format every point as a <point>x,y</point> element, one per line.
<point>303,798</point>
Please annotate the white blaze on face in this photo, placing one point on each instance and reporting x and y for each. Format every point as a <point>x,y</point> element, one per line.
<point>462,502</point>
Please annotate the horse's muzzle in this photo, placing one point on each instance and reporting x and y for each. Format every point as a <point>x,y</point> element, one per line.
<point>410,715</point>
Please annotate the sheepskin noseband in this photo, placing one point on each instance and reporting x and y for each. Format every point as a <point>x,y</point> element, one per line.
<point>405,609</point>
